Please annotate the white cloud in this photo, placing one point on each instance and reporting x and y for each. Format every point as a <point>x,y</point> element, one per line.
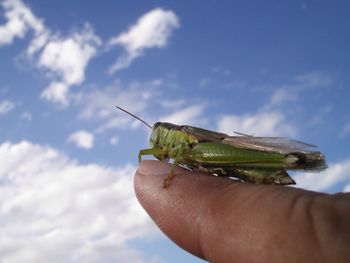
<point>265,123</point>
<point>337,175</point>
<point>289,92</point>
<point>152,30</point>
<point>66,59</point>
<point>270,120</point>
<point>6,106</point>
<point>82,139</point>
<point>118,122</point>
<point>63,58</point>
<point>54,209</point>
<point>189,115</point>
<point>19,20</point>
<point>38,42</point>
<point>282,95</point>
<point>144,100</point>
<point>99,104</point>
<point>56,92</point>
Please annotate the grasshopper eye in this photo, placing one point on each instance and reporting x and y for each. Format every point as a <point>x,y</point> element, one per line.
<point>154,139</point>
<point>156,125</point>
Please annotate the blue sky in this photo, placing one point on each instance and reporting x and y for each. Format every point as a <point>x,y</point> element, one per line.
<point>269,68</point>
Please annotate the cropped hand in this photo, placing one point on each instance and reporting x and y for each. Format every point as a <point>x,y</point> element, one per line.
<point>222,220</point>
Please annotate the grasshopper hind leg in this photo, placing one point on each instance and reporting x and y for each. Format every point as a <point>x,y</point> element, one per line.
<point>169,177</point>
<point>256,176</point>
<point>178,150</point>
<point>263,176</point>
<point>215,171</point>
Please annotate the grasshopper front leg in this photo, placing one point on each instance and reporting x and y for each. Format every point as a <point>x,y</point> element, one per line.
<point>152,151</point>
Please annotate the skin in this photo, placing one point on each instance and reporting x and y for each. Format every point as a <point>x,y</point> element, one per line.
<point>221,220</point>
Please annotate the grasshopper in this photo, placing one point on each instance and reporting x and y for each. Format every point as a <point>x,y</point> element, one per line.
<point>259,160</point>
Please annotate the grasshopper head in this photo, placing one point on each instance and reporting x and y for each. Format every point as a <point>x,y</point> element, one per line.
<point>154,140</point>
<point>161,133</point>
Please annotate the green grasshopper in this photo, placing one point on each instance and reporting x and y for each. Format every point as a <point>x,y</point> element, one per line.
<point>259,160</point>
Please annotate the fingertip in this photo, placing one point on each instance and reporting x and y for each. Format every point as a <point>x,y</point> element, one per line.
<point>148,185</point>
<point>150,175</point>
<point>147,175</point>
<point>177,210</point>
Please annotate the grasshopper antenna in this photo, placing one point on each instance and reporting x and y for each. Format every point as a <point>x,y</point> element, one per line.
<point>243,134</point>
<point>141,120</point>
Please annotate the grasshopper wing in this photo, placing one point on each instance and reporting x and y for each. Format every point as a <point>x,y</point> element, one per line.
<point>280,145</point>
<point>268,144</point>
<point>302,153</point>
<point>308,159</point>
<point>203,135</point>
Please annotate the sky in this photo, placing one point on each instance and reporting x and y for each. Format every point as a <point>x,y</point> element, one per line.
<point>265,68</point>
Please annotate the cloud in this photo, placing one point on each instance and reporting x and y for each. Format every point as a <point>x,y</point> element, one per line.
<point>82,139</point>
<point>6,106</point>
<point>68,57</point>
<point>56,92</point>
<point>65,59</point>
<point>19,20</point>
<point>152,30</point>
<point>145,100</point>
<point>189,115</point>
<point>54,209</point>
<point>265,123</point>
<point>281,95</point>
<point>271,118</point>
<point>289,92</point>
<point>99,104</point>
<point>337,175</point>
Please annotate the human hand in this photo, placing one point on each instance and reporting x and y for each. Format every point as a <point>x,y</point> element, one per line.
<point>221,220</point>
